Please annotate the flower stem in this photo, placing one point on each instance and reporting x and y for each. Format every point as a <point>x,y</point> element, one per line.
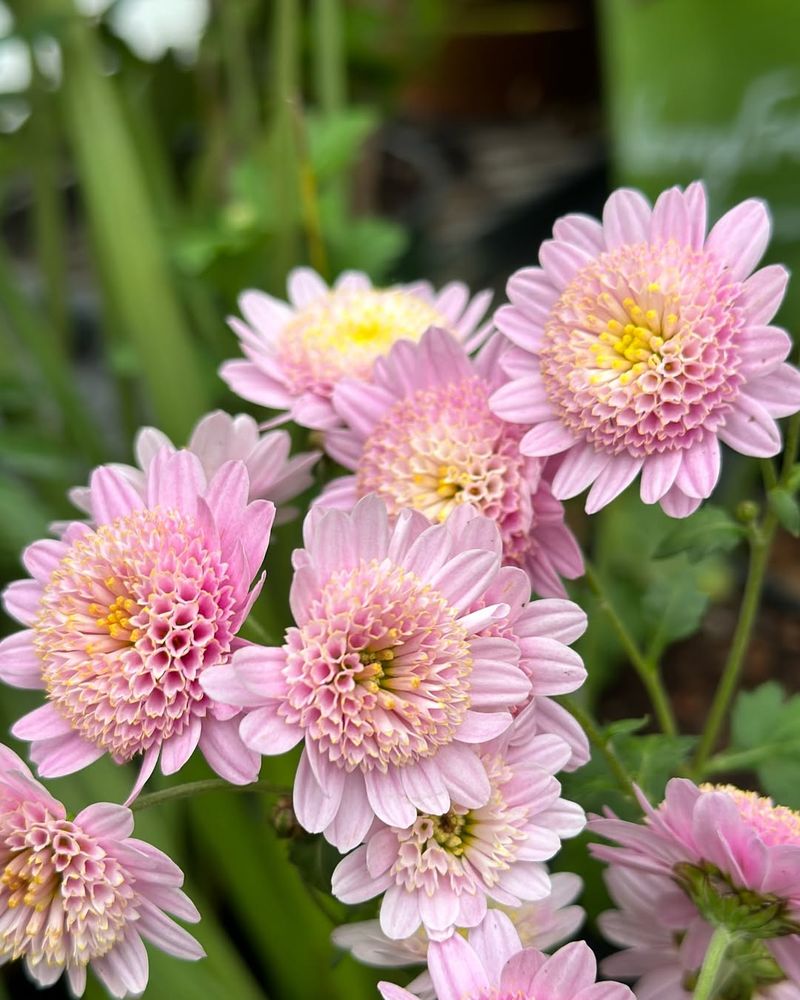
<point>712,964</point>
<point>602,744</point>
<point>647,669</point>
<point>191,788</point>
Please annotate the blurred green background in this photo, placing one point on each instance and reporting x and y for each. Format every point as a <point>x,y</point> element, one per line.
<point>159,156</point>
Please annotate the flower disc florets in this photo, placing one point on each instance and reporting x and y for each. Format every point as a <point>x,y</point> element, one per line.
<point>641,352</point>
<point>129,618</point>
<point>379,674</point>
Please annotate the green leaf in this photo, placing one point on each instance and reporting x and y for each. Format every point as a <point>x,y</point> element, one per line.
<point>673,607</point>
<point>335,140</point>
<point>785,505</point>
<point>709,530</point>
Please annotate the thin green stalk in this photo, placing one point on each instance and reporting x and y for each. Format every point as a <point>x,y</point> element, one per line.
<point>192,788</point>
<point>648,670</point>
<point>309,195</point>
<point>708,980</point>
<point>243,98</point>
<point>603,746</point>
<point>329,56</point>
<point>283,158</point>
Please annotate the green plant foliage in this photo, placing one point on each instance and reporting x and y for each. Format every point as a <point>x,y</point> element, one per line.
<point>711,529</point>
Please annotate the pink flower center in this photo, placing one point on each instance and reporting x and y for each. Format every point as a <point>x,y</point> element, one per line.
<point>379,674</point>
<point>344,332</point>
<point>127,622</point>
<point>774,824</point>
<point>63,899</point>
<point>443,447</point>
<point>641,352</point>
<point>468,849</point>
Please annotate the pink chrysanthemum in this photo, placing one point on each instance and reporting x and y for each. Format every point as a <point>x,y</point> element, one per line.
<point>664,941</point>
<point>724,856</point>
<point>642,343</point>
<point>384,676</point>
<point>218,438</point>
<point>439,871</point>
<point>126,615</point>
<point>493,965</point>
<point>82,892</point>
<point>297,353</point>
<point>543,924</point>
<point>422,436</point>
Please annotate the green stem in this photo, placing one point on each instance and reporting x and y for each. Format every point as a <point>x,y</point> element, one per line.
<point>243,97</point>
<point>329,56</point>
<point>602,744</point>
<point>191,788</point>
<point>648,670</point>
<point>712,964</point>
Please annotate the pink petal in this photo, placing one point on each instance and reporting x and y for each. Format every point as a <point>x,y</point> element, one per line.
<point>165,934</point>
<point>112,495</point>
<point>440,911</point>
<point>391,992</point>
<point>175,480</point>
<point>495,941</point>
<point>388,799</point>
<point>549,438</point>
<point>268,733</point>
<point>361,406</point>
<point>520,971</point>
<point>580,467</point>
<point>42,557</point>
<point>626,218</point>
<point>612,480</point>
<point>699,469</point>
<point>763,293</point>
<point>353,819</point>
<point>399,916</point>
<point>249,382</point>
<point>495,683</point>
<point>670,219</point>
<point>19,663</point>
<point>778,392</point>
<point>740,237</point>
<point>260,670</point>
<point>456,970</point>
<point>523,401</point>
<point>697,205</point>
<point>425,787</point>
<point>178,749</point>
<point>750,430</point>
<point>305,286</point>
<point>43,723</point>
<point>677,504</point>
<point>21,600</point>
<point>63,755</point>
<point>464,579</point>
<point>225,752</point>
<point>314,807</point>
<point>572,968</point>
<point>519,328</point>
<point>763,348</point>
<point>351,882</point>
<point>562,261</point>
<point>480,727</point>
<point>464,775</point>
<point>106,820</point>
<point>557,669</point>
<point>267,314</point>
<point>658,474</point>
<point>583,231</point>
<point>558,619</point>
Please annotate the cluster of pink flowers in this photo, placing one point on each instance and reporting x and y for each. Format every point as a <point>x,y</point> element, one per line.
<point>431,631</point>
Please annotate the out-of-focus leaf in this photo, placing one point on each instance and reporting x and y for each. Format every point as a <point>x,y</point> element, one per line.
<point>362,244</point>
<point>334,141</point>
<point>785,505</point>
<point>22,516</point>
<point>709,530</point>
<point>673,607</point>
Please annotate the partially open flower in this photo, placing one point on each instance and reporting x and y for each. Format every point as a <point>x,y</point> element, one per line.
<point>493,965</point>
<point>422,436</point>
<point>83,892</point>
<point>125,615</point>
<point>642,343</point>
<point>723,857</point>
<point>384,676</point>
<point>298,352</point>
<point>219,438</point>
<point>440,871</point>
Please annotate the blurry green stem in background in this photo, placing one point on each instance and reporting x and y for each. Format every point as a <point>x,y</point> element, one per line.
<point>647,669</point>
<point>47,351</point>
<point>233,21</point>
<point>192,788</point>
<point>126,230</point>
<point>760,537</point>
<point>602,744</point>
<point>309,195</point>
<point>708,980</point>
<point>330,63</point>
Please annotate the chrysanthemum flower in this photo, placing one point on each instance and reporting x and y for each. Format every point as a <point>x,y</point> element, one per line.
<point>543,924</point>
<point>383,675</point>
<point>664,941</point>
<point>642,343</point>
<point>493,965</point>
<point>297,352</point>
<point>439,871</point>
<point>727,857</point>
<point>125,615</point>
<point>422,436</point>
<point>82,892</point>
<point>219,438</point>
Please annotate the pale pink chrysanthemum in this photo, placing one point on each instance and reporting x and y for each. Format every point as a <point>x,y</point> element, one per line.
<point>383,676</point>
<point>82,892</point>
<point>493,965</point>
<point>732,855</point>
<point>297,352</point>
<point>422,436</point>
<point>642,343</point>
<point>664,941</point>
<point>440,871</point>
<point>543,924</point>
<point>125,615</point>
<point>218,438</point>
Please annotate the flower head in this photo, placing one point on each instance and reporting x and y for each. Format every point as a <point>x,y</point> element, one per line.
<point>439,871</point>
<point>493,965</point>
<point>383,674</point>
<point>218,438</point>
<point>297,353</point>
<point>542,924</point>
<point>721,856</point>
<point>125,616</point>
<point>422,436</point>
<point>82,892</point>
<point>642,343</point>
